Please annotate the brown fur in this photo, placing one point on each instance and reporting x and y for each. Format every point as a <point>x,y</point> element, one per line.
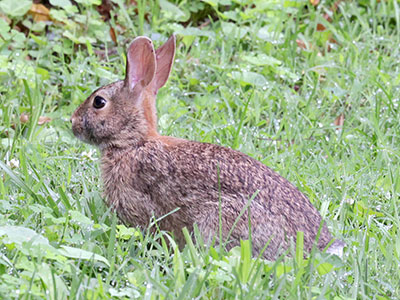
<point>147,175</point>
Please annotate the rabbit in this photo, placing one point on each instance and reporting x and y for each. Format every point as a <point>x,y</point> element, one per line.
<point>148,175</point>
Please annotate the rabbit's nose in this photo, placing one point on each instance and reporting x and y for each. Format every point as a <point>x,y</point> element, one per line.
<point>72,119</point>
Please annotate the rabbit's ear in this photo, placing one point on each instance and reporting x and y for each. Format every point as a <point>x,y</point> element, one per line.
<point>165,58</point>
<point>140,63</point>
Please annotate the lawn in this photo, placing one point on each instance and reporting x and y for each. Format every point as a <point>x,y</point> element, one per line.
<point>310,88</point>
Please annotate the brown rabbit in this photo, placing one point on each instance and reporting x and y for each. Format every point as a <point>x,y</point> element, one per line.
<point>146,174</point>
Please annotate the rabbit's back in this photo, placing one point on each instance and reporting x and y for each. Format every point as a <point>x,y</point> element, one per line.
<point>195,177</point>
<point>278,209</point>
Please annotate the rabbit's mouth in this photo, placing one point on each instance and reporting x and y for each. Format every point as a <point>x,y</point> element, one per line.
<point>86,137</point>
<point>80,133</point>
<point>89,134</point>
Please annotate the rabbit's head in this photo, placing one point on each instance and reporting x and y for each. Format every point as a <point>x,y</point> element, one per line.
<point>123,112</point>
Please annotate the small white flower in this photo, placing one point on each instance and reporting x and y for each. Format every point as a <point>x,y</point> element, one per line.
<point>89,154</point>
<point>13,163</point>
<point>349,201</point>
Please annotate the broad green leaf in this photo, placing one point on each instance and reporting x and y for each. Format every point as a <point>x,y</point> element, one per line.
<point>247,77</point>
<point>191,31</point>
<point>81,254</point>
<point>40,40</point>
<point>364,210</point>
<point>232,15</point>
<point>80,39</point>
<point>19,39</point>
<point>174,12</point>
<point>104,73</point>
<point>232,30</point>
<point>281,269</point>
<point>15,8</point>
<point>124,293</point>
<point>43,73</point>
<point>294,3</point>
<point>4,28</point>
<point>287,74</point>
<point>267,33</point>
<point>213,3</point>
<point>77,216</point>
<point>324,268</point>
<point>262,60</point>
<point>89,2</point>
<point>60,3</point>
<point>58,15</point>
<point>19,235</point>
<point>126,233</point>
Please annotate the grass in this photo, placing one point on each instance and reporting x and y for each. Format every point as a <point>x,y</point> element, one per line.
<point>242,81</point>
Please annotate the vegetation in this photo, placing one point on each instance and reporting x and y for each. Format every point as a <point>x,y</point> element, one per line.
<point>310,89</point>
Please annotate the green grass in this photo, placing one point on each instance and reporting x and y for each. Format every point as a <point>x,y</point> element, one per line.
<point>233,83</point>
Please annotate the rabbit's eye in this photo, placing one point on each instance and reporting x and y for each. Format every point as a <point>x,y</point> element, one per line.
<point>99,102</point>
